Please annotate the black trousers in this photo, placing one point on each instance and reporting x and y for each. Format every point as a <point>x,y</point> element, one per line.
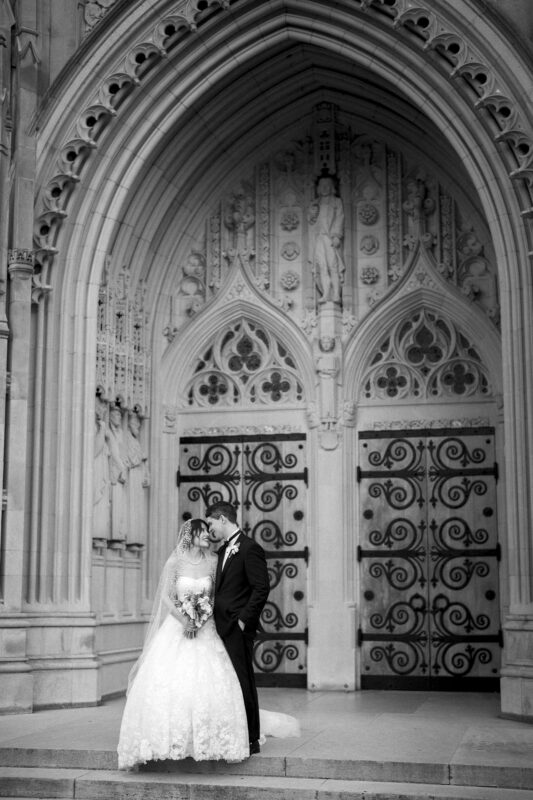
<point>240,650</point>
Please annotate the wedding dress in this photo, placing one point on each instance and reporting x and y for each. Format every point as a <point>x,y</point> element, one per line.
<point>184,697</point>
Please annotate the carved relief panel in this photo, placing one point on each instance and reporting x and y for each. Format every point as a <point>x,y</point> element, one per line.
<point>334,216</point>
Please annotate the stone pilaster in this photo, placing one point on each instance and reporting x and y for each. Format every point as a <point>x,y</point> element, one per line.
<point>517,670</point>
<point>17,678</point>
<point>16,675</point>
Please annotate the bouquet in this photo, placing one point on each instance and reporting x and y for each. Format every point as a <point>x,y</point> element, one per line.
<point>196,607</point>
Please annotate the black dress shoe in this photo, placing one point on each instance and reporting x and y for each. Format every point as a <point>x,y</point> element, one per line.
<point>254,747</point>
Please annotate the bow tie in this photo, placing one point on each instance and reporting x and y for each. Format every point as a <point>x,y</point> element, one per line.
<point>231,538</point>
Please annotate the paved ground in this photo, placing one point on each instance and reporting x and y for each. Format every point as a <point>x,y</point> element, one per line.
<point>423,728</point>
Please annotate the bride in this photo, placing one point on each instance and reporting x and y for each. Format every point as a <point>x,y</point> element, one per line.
<point>184,698</point>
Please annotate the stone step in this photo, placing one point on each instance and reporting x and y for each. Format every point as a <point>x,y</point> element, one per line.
<point>38,782</point>
<point>466,774</point>
<point>114,785</point>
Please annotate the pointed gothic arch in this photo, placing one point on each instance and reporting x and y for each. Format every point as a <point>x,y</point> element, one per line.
<point>101,140</point>
<point>411,299</point>
<point>238,303</point>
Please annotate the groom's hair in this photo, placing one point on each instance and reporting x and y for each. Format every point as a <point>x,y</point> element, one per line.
<point>222,509</point>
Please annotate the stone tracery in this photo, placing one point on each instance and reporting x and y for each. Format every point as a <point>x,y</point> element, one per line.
<point>245,365</point>
<point>425,357</point>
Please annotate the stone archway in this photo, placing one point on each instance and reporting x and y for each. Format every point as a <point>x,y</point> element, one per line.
<point>141,180</point>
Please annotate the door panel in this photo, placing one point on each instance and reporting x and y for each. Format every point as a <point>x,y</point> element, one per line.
<point>428,553</point>
<point>266,478</point>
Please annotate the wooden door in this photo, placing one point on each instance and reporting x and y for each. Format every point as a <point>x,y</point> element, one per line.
<point>266,478</point>
<point>429,560</point>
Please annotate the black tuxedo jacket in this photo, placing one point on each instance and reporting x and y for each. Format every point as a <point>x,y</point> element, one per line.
<point>241,588</point>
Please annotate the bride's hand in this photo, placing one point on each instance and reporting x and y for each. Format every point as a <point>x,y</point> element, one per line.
<point>190,630</point>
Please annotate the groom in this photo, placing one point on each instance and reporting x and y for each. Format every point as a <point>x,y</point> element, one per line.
<point>241,590</point>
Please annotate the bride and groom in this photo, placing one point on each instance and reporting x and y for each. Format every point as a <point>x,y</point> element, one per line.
<point>192,692</point>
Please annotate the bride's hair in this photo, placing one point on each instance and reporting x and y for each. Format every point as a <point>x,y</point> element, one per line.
<point>189,530</point>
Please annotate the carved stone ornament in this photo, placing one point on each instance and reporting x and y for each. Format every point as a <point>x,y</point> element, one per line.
<point>326,344</point>
<point>290,280</point>
<point>39,290</point>
<point>420,424</point>
<point>329,434</point>
<point>290,220</point>
<point>290,251</point>
<point>349,413</point>
<point>239,291</point>
<point>369,275</point>
<point>367,213</point>
<point>241,430</point>
<point>369,245</point>
<point>21,262</point>
<point>349,322</point>
<point>94,11</point>
<point>170,419</point>
<point>309,322</point>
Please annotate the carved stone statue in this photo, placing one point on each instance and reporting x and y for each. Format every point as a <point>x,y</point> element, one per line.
<point>101,478</point>
<point>138,481</point>
<point>326,216</point>
<point>239,219</point>
<point>118,474</point>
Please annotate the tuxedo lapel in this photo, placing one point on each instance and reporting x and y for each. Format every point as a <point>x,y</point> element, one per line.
<point>218,574</point>
<point>223,568</point>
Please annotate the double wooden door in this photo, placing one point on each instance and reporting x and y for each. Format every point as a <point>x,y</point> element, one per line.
<point>265,477</point>
<point>428,557</point>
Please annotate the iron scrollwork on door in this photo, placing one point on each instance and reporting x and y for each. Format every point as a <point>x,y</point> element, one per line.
<point>212,471</point>
<point>428,555</point>
<point>266,478</point>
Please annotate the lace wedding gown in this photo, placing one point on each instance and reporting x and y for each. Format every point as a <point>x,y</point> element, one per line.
<point>185,699</point>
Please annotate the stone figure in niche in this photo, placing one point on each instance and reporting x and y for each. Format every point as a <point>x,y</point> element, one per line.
<point>239,219</point>
<point>118,473</point>
<point>191,295</point>
<point>478,284</point>
<point>101,478</point>
<point>326,216</point>
<point>138,480</point>
<point>418,207</point>
<point>327,367</point>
